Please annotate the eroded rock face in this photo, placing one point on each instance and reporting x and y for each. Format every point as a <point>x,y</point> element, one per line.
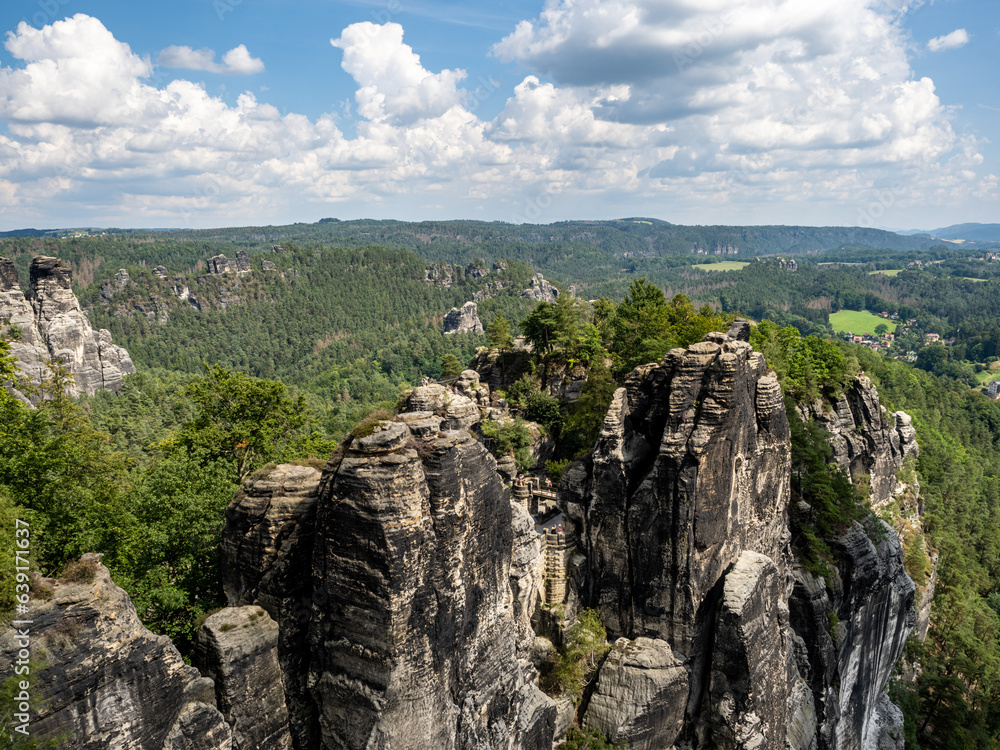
<point>238,648</point>
<point>541,290</point>
<point>108,682</point>
<point>850,663</point>
<point>413,638</point>
<point>52,326</point>
<point>457,410</point>
<point>463,320</point>
<point>681,511</point>
<point>867,441</point>
<point>266,550</point>
<point>222,264</point>
<point>641,695</point>
<point>690,469</point>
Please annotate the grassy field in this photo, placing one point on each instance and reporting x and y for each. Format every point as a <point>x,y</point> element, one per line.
<point>971,278</point>
<point>986,376</point>
<point>886,272</point>
<point>858,322</point>
<point>726,265</point>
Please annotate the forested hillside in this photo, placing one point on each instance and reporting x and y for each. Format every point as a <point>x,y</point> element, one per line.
<point>298,351</point>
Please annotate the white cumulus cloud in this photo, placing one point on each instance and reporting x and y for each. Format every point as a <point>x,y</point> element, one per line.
<point>957,38</point>
<point>709,111</point>
<point>236,61</point>
<point>394,86</point>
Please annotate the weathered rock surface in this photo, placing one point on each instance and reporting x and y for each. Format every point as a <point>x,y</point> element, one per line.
<point>458,411</point>
<point>266,551</point>
<point>641,695</point>
<point>238,648</point>
<point>463,320</point>
<point>689,471</point>
<point>849,666</point>
<point>52,326</point>
<point>222,264</point>
<point>414,645</point>
<point>541,290</point>
<point>107,682</point>
<point>748,684</point>
<point>867,441</point>
<point>526,571</point>
<point>681,511</point>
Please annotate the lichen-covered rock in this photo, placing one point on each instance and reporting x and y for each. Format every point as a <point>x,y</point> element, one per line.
<point>106,681</point>
<point>53,327</point>
<point>640,696</point>
<point>413,638</point>
<point>238,648</point>
<point>463,320</point>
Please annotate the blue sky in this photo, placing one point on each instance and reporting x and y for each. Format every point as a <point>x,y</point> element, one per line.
<point>229,112</point>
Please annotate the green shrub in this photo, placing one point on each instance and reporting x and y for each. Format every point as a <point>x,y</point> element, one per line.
<point>509,438</point>
<point>590,739</point>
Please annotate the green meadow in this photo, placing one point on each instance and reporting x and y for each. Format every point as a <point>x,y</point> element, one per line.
<point>726,265</point>
<point>858,322</point>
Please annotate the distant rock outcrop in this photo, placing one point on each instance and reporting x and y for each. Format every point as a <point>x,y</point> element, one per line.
<point>463,320</point>
<point>48,324</point>
<point>222,264</point>
<point>541,290</point>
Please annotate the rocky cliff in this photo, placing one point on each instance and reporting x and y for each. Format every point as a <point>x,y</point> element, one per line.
<point>403,582</point>
<point>392,600</point>
<point>681,511</point>
<point>101,681</point>
<point>47,324</point>
<point>463,320</point>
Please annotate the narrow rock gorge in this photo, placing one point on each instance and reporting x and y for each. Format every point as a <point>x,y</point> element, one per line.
<point>392,599</point>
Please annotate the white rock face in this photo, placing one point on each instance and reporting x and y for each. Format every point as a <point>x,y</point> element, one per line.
<point>50,325</point>
<point>641,695</point>
<point>464,319</point>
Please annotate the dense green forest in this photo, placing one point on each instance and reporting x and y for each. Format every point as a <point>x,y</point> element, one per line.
<point>309,346</point>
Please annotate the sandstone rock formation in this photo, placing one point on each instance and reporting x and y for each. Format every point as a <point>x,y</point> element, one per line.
<point>50,325</point>
<point>681,511</point>
<point>414,640</point>
<point>867,441</point>
<point>222,264</point>
<point>464,319</point>
<point>403,582</point>
<point>238,648</point>
<point>392,600</point>
<point>541,290</point>
<point>266,552</point>
<point>107,682</point>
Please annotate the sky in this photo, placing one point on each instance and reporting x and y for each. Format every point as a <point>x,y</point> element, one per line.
<point>207,113</point>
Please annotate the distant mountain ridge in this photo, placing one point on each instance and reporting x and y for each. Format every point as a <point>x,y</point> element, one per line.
<point>628,237</point>
<point>970,231</point>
